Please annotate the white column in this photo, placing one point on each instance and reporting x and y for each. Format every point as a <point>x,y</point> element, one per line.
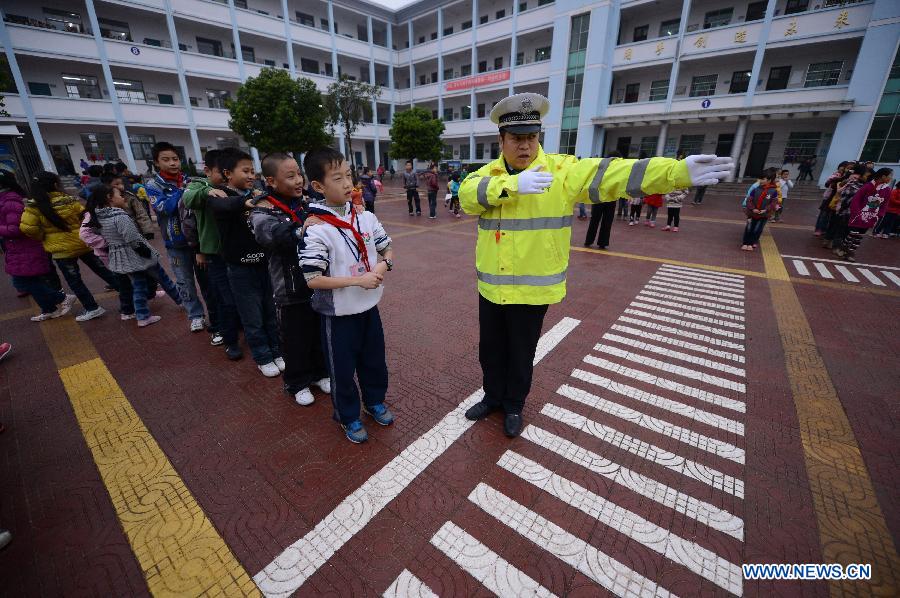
<point>440,59</point>
<point>412,68</point>
<point>661,141</point>
<point>739,135</point>
<point>182,83</point>
<point>289,42</point>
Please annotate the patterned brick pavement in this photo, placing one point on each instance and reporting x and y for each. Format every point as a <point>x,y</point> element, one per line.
<point>667,441</point>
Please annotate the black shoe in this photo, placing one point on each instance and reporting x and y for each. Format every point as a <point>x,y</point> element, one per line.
<point>587,244</point>
<point>512,424</point>
<point>479,411</point>
<point>234,352</point>
<point>603,247</point>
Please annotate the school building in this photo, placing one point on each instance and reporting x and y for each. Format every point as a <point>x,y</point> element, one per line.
<point>768,82</point>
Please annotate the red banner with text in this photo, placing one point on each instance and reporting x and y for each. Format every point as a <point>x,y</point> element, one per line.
<point>478,80</point>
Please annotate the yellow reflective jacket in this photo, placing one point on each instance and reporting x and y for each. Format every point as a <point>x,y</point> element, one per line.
<point>522,252</point>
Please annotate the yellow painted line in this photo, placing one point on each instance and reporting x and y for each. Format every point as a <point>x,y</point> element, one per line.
<point>844,286</point>
<point>851,524</point>
<point>20,313</point>
<point>179,550</point>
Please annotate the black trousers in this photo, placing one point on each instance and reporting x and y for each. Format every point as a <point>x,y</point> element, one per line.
<point>300,329</point>
<point>412,194</point>
<point>602,216</point>
<point>507,341</point>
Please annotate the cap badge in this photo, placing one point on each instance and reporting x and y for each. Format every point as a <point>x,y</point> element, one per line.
<point>527,106</point>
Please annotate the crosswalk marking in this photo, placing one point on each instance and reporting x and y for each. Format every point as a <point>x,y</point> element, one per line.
<point>845,273</point>
<point>681,293</point>
<point>667,459</point>
<point>686,314</point>
<point>701,511</point>
<point>823,270</point>
<point>691,555</point>
<point>677,343</point>
<point>660,426</point>
<point>685,323</point>
<point>408,585</point>
<point>688,391</point>
<point>803,257</point>
<point>679,332</point>
<point>694,306</point>
<point>891,276</point>
<point>724,275</point>
<point>598,566</point>
<point>678,285</point>
<point>670,368</point>
<point>485,565</point>
<point>687,281</point>
<point>703,276</point>
<point>802,270</point>
<point>871,277</point>
<point>675,298</point>
<point>666,352</point>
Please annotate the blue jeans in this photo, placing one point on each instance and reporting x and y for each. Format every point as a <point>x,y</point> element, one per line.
<point>70,271</point>
<point>182,261</point>
<point>226,322</point>
<point>252,291</point>
<point>42,289</point>
<point>753,231</point>
<point>142,285</point>
<point>582,211</point>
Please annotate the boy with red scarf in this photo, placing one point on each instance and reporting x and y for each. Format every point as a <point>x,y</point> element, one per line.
<point>339,260</point>
<point>762,200</point>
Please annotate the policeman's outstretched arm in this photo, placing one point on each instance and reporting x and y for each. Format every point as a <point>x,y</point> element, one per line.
<point>482,191</point>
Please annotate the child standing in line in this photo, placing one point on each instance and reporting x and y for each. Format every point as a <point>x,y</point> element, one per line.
<point>622,208</point>
<point>453,186</point>
<point>340,261</point>
<point>634,216</point>
<point>134,207</point>
<point>674,200</point>
<point>761,203</point>
<point>786,184</point>
<point>411,184</point>
<point>654,202</point>
<point>279,220</point>
<point>866,207</point>
<point>888,225</point>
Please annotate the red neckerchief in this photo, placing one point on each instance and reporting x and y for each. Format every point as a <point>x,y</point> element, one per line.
<point>360,242</point>
<point>284,208</point>
<point>177,180</point>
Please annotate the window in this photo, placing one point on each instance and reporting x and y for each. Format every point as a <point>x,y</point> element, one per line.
<point>740,82</point>
<point>495,150</point>
<point>482,66</point>
<point>800,145</point>
<point>421,39</point>
<point>498,63</point>
<point>481,111</point>
<point>448,30</point>
<point>883,142</point>
<point>520,58</point>
<point>329,70</point>
<point>795,6</point>
<point>464,26</point>
<point>217,98</point>
<point>541,54</point>
<point>142,145</point>
<point>308,65</point>
<point>648,146</point>
<point>659,90</point>
<point>724,144</point>
<point>465,70</point>
<point>114,29</point>
<point>572,97</point>
<point>669,27</point>
<point>448,74</point>
<point>479,151</point>
<point>579,34</point>
<point>434,35</point>
<point>422,80</point>
<point>501,14</point>
<point>195,102</point>
<point>756,11</point>
<point>718,18</point>
<point>434,77</point>
<point>165,98</point>
<point>704,85</point>
<point>100,145</point>
<point>448,113</point>
<point>482,19</point>
<point>567,138</point>
<point>211,47</point>
<point>632,91</point>
<point>305,19</point>
<point>129,92</point>
<point>466,112</point>
<point>149,41</point>
<point>82,86</point>
<point>323,24</point>
<point>545,2</point>
<point>39,89</point>
<point>574,80</point>
<point>691,144</point>
<point>523,6</point>
<point>269,62</point>
<point>640,33</point>
<point>464,151</point>
<point>248,54</point>
<point>240,4</point>
<point>778,78</point>
<point>823,73</point>
<point>63,20</point>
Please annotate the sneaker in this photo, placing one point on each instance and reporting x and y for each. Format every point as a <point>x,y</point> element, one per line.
<point>818,233</point>
<point>269,370</point>
<point>304,397</point>
<point>458,216</point>
<point>839,252</point>
<point>197,324</point>
<point>755,245</point>
<point>652,225</point>
<point>381,414</point>
<point>90,315</point>
<point>43,316</point>
<point>674,229</point>
<point>355,432</point>
<point>410,213</point>
<point>849,258</point>
<point>149,321</point>
<point>126,317</point>
<point>631,223</point>
<point>666,228</point>
<point>432,217</point>
<point>216,339</point>
<point>324,385</point>
<point>234,352</point>
<point>418,213</point>
<point>646,223</point>
<point>279,362</point>
<point>5,350</point>
<point>61,310</point>
<point>68,302</point>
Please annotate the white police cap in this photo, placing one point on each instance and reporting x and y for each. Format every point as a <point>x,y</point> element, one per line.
<point>520,113</point>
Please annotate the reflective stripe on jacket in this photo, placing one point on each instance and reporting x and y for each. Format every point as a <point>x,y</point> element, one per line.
<point>522,252</point>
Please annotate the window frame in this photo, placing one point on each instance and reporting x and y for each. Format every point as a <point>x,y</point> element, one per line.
<point>746,75</point>
<point>665,88</point>
<point>644,30</point>
<point>696,83</point>
<point>826,77</point>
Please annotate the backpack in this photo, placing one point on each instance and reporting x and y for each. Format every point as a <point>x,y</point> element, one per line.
<point>188,224</point>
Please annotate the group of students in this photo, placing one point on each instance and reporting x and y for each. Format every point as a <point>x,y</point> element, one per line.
<point>257,258</point>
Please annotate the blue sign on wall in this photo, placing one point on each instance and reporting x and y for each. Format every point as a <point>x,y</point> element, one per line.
<point>706,103</point>
<point>135,50</point>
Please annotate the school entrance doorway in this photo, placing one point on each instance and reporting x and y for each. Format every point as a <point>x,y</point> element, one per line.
<point>759,150</point>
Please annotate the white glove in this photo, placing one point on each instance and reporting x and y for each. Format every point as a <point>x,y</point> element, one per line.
<point>708,169</point>
<point>533,181</point>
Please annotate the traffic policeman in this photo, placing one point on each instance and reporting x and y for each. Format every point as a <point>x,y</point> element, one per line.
<point>525,203</point>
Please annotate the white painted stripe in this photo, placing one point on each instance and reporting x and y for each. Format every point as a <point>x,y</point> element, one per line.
<point>685,314</point>
<point>408,585</point>
<point>493,571</point>
<point>699,415</point>
<point>693,283</point>
<point>578,554</point>
<point>891,276</point>
<point>802,270</point>
<point>728,275</point>
<point>671,461</point>
<point>688,391</point>
<point>670,368</point>
<point>681,286</point>
<point>726,285</point>
<point>290,569</point>
<point>842,262</point>
<point>686,324</point>
<point>678,300</point>
<point>691,555</point>
<point>678,343</point>
<point>707,363</point>
<point>849,276</point>
<point>871,277</point>
<point>703,275</point>
<point>671,291</point>
<point>693,508</point>
<point>693,306</point>
<point>679,332</point>
<point>823,270</point>
<point>660,426</point>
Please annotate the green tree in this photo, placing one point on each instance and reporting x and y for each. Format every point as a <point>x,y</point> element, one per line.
<point>415,133</point>
<point>349,104</point>
<point>275,113</point>
<point>7,85</point>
